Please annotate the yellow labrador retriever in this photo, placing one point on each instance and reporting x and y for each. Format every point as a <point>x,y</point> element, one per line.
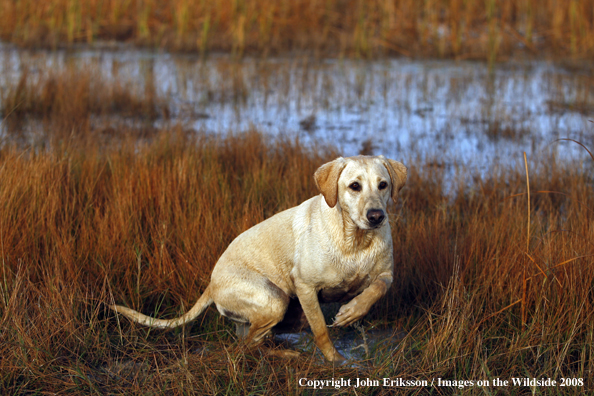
<point>336,246</point>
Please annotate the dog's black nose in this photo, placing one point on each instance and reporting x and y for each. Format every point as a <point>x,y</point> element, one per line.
<point>375,216</point>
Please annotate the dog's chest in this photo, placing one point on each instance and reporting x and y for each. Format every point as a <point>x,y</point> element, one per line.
<point>348,275</point>
<point>345,290</point>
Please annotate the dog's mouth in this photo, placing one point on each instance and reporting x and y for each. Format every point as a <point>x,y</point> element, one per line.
<point>366,223</point>
<point>375,226</point>
<point>368,226</point>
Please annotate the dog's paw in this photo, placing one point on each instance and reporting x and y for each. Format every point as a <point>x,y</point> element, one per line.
<point>350,313</point>
<point>335,357</point>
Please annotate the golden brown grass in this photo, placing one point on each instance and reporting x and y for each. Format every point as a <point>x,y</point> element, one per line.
<point>489,30</point>
<point>77,93</point>
<point>50,108</point>
<point>143,224</point>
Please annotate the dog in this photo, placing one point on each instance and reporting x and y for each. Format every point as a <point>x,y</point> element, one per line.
<point>334,247</point>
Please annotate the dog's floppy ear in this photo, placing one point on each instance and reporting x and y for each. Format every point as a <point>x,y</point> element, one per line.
<point>397,172</point>
<point>326,178</point>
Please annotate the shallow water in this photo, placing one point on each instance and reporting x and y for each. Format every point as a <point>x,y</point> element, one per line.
<point>458,114</point>
<point>355,346</point>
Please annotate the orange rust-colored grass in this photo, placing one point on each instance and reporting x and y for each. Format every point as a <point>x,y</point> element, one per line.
<point>485,29</point>
<point>73,95</point>
<point>142,223</point>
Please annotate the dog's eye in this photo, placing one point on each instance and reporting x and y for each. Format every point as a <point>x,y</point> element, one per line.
<point>383,185</point>
<point>355,186</point>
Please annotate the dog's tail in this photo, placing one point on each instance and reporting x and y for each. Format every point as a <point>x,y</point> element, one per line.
<point>204,301</point>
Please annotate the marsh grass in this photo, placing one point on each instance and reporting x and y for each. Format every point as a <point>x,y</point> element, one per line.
<point>488,30</point>
<point>142,223</point>
<point>48,108</point>
<point>74,97</point>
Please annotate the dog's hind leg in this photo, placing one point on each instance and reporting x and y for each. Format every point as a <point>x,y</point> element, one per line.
<point>258,331</point>
<point>252,335</point>
<point>256,334</point>
<point>256,305</point>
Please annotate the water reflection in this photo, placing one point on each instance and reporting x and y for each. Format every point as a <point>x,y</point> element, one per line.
<point>460,113</point>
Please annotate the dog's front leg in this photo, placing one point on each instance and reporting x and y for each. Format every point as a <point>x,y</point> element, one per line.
<point>311,307</point>
<point>360,305</point>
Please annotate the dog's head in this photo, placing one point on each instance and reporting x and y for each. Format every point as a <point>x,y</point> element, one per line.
<point>361,186</point>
